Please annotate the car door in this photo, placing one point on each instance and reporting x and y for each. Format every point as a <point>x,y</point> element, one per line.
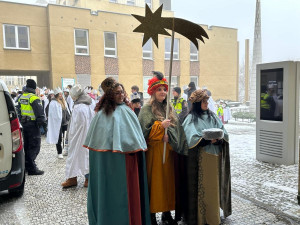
<point>5,135</point>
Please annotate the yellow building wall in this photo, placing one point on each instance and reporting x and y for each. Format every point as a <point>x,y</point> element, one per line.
<point>35,59</point>
<point>52,47</point>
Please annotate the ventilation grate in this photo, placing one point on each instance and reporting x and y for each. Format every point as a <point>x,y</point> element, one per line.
<point>271,143</point>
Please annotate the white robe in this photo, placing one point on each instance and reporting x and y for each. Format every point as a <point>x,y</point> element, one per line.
<point>54,122</point>
<point>78,157</point>
<point>70,103</point>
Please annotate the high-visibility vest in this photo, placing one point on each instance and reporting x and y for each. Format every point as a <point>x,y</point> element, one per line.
<point>25,101</point>
<point>177,105</point>
<point>220,111</point>
<point>263,101</point>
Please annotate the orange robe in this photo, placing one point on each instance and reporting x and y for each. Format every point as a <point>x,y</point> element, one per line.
<point>161,177</point>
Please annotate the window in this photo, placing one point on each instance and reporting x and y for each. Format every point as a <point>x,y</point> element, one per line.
<point>193,52</point>
<point>113,1</point>
<point>10,81</point>
<point>148,2</point>
<point>21,80</point>
<point>194,79</point>
<point>110,44</point>
<point>168,48</point>
<point>16,37</point>
<point>130,2</point>
<point>145,86</point>
<point>116,77</point>
<point>166,3</point>
<point>147,50</point>
<point>81,42</point>
<point>174,81</point>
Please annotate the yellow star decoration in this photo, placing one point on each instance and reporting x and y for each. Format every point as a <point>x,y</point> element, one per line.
<point>151,25</point>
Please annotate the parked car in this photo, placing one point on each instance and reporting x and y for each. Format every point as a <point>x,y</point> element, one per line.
<point>12,156</point>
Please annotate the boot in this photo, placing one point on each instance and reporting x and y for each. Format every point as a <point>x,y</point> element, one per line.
<point>153,219</point>
<point>86,182</point>
<point>70,182</point>
<point>166,219</point>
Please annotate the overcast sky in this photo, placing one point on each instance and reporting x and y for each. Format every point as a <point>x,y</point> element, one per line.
<point>280,21</point>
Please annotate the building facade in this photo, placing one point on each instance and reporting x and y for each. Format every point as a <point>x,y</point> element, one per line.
<point>89,40</point>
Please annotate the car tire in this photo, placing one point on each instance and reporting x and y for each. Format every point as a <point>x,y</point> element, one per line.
<point>18,191</point>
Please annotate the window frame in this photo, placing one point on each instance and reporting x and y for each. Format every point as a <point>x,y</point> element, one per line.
<point>16,37</point>
<point>146,51</point>
<point>194,54</point>
<point>174,53</point>
<point>82,46</point>
<point>197,77</point>
<point>130,2</point>
<point>115,49</point>
<point>145,88</point>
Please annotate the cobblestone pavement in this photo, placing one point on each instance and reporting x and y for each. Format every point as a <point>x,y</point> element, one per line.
<point>261,193</point>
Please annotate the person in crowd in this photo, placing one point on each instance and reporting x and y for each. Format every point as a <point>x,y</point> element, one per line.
<point>136,94</point>
<point>13,95</point>
<point>68,99</point>
<point>220,111</point>
<point>31,117</point>
<point>191,88</point>
<point>179,104</point>
<point>209,185</point>
<point>58,117</point>
<point>161,176</point>
<point>211,102</point>
<point>47,102</point>
<point>136,105</point>
<point>78,157</point>
<point>117,189</point>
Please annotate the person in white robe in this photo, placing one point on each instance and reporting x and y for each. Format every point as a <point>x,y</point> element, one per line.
<point>58,116</point>
<point>78,156</point>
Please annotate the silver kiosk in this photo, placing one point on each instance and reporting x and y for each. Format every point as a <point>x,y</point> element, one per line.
<point>277,112</point>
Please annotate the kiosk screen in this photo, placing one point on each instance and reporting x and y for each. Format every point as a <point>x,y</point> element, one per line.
<point>271,94</point>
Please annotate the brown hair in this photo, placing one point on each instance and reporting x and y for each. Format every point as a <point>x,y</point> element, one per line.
<point>159,110</point>
<point>107,101</point>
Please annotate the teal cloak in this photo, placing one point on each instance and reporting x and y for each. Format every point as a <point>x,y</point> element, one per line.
<point>118,189</point>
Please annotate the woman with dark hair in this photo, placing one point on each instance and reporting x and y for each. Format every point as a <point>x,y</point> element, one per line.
<point>161,176</point>
<point>117,188</point>
<point>209,185</point>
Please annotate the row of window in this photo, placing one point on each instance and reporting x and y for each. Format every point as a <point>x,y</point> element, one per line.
<point>17,37</point>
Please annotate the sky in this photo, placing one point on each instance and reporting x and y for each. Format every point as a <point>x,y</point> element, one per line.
<point>280,22</point>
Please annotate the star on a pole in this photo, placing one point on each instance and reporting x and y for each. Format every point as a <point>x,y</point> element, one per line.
<point>151,25</point>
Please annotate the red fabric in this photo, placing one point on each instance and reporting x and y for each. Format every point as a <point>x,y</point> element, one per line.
<point>154,83</point>
<point>133,189</point>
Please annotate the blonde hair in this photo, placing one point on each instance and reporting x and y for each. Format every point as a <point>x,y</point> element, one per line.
<point>61,102</point>
<point>159,110</point>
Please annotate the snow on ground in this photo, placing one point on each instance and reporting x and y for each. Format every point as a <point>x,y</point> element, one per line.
<point>273,185</point>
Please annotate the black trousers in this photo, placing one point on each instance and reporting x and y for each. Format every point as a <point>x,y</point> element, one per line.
<point>32,144</point>
<point>58,145</point>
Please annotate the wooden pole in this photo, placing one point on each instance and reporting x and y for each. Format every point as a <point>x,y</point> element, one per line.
<point>169,90</point>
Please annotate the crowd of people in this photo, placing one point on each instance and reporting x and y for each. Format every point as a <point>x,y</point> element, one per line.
<point>136,160</point>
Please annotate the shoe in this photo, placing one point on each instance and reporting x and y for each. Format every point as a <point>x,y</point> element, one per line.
<point>65,152</point>
<point>153,219</point>
<point>86,183</point>
<point>36,172</point>
<point>167,219</point>
<point>60,156</point>
<point>70,182</point>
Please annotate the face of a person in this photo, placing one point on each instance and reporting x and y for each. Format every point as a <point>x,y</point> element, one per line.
<point>60,96</point>
<point>136,105</point>
<point>133,91</point>
<point>160,93</point>
<point>119,94</point>
<point>175,94</point>
<point>204,105</point>
<point>66,94</point>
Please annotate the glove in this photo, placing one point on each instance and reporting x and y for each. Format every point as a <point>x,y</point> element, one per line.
<point>219,142</point>
<point>204,142</point>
